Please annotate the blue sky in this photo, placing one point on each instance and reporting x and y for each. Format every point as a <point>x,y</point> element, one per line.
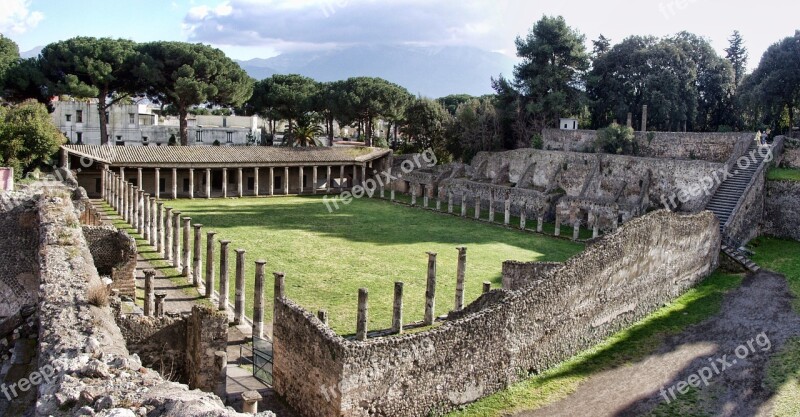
<point>264,28</point>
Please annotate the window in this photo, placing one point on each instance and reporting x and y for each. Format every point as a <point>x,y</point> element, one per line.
<point>224,122</point>
<point>78,116</point>
<point>229,137</point>
<point>120,143</point>
<point>144,139</point>
<point>132,118</point>
<point>69,117</point>
<point>78,138</point>
<point>198,136</point>
<point>119,137</point>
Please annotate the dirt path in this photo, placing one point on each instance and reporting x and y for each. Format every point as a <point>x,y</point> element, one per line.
<point>761,305</point>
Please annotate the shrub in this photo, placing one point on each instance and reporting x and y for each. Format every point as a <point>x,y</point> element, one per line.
<point>536,141</point>
<point>172,141</point>
<point>616,139</point>
<point>216,143</point>
<point>97,294</point>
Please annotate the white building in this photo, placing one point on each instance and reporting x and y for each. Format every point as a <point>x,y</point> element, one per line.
<point>568,123</point>
<point>137,125</point>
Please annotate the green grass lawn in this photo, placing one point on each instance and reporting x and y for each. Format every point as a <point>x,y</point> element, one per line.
<point>783,174</point>
<point>369,244</point>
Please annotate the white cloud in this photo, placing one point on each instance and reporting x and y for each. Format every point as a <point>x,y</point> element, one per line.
<point>16,16</point>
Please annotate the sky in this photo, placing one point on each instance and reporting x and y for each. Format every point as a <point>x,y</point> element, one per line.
<point>247,29</point>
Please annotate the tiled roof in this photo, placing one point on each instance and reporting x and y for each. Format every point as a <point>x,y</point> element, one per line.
<point>191,156</point>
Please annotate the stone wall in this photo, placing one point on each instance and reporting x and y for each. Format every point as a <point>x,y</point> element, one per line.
<point>114,253</point>
<point>519,275</point>
<point>714,147</point>
<point>206,334</point>
<point>160,343</point>
<point>18,246</point>
<point>615,282</point>
<point>782,210</point>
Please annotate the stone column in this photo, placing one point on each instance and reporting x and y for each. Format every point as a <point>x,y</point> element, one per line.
<point>391,194</point>
<point>131,204</point>
<point>539,223</point>
<point>425,196</point>
<point>223,275</point>
<point>139,178</point>
<point>191,183</point>
<point>328,180</point>
<point>461,270</point>
<point>558,225</point>
<point>478,206</point>
<point>174,183</point>
<point>644,118</point>
<point>314,180</point>
<point>430,291</point>
<point>239,178</point>
<point>341,178</point>
<point>146,217</point>
<point>438,203</point>
<point>361,324</point>
<point>149,289</point>
<point>300,181</point>
<point>286,180</point>
<point>208,183</point>
<point>153,220</point>
<point>157,188</point>
<point>176,240</point>
<point>271,181</point>
<point>187,248</point>
<point>250,401</point>
<point>168,234</point>
<point>450,202</point>
<point>210,264</point>
<point>464,205</point>
<point>491,207</point>
<point>630,120</point>
<point>487,286</point>
<point>576,231</point>
<point>224,182</point>
<point>414,194</point>
<point>255,181</point>
<point>160,296</point>
<point>122,173</point>
<point>279,287</point>
<point>596,229</point>
<point>322,315</point>
<point>397,310</point>
<point>134,219</point>
<point>238,305</point>
<point>507,217</point>
<point>160,228</point>
<point>363,175</point>
<point>355,176</point>
<point>221,364</point>
<point>523,216</point>
<point>196,259</point>
<point>104,183</point>
<point>258,301</point>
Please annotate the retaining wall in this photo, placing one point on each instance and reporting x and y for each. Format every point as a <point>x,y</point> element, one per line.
<point>115,254</point>
<point>782,210</point>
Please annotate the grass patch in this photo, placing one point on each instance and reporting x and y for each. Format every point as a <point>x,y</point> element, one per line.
<point>627,346</point>
<point>782,256</point>
<point>369,244</point>
<point>783,174</point>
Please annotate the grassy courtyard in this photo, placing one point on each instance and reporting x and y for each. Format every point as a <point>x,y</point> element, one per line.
<point>783,174</point>
<point>369,244</point>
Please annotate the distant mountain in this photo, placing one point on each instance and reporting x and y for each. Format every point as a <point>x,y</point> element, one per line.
<point>33,53</point>
<point>431,72</point>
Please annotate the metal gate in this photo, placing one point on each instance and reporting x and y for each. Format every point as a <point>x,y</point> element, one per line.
<point>262,360</point>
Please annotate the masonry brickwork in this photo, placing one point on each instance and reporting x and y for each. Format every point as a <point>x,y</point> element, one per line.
<point>782,210</point>
<point>115,254</point>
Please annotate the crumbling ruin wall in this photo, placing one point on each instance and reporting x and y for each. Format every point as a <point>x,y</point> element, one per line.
<point>115,255</point>
<point>206,334</point>
<point>518,275</point>
<point>708,146</point>
<point>782,210</point>
<point>19,283</point>
<point>160,343</point>
<point>616,281</point>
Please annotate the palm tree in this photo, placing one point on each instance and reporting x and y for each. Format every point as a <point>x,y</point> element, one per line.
<point>304,135</point>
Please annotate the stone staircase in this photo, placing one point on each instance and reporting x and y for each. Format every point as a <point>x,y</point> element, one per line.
<point>727,196</point>
<point>740,258</point>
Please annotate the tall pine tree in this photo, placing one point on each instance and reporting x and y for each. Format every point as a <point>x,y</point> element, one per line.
<point>736,53</point>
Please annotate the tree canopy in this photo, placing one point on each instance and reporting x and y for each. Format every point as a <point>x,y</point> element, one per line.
<point>9,55</point>
<point>27,136</point>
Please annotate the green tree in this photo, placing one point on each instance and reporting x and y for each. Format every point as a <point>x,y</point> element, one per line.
<point>367,98</point>
<point>291,96</point>
<point>9,56</point>
<point>736,54</point>
<point>185,75</point>
<point>92,67</point>
<point>451,102</point>
<point>616,139</point>
<point>600,46</point>
<point>474,128</point>
<point>27,136</point>
<point>25,80</point>
<point>550,76</point>
<point>305,134</point>
<point>425,125</point>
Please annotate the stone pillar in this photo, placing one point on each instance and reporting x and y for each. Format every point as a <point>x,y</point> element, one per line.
<point>644,118</point>
<point>363,175</point>
<point>153,220</point>
<point>595,229</point>
<point>558,225</point>
<point>146,215</point>
<point>238,302</point>
<point>438,202</point>
<point>391,194</point>
<point>176,240</point>
<point>576,231</point>
<point>191,183</point>
<point>210,264</point>
<point>539,223</point>
<point>491,207</point>
<point>174,183</point>
<point>168,234</point>
<point>157,181</point>
<point>208,183</point>
<point>397,310</point>
<point>463,205</point>
<point>487,286</point>
<point>122,173</point>
<point>523,216</point>
<point>224,182</point>
<point>131,204</point>
<point>430,291</point>
<point>414,194</point>
<point>255,181</point>
<point>239,180</point>
<point>160,296</point>
<point>361,324</point>
<point>300,181</point>
<point>355,176</point>
<point>149,289</point>
<point>461,271</point>
<point>630,120</point>
<point>425,197</point>
<point>250,401</point>
<point>221,364</point>
<point>507,217</point>
<point>286,181</point>
<point>450,203</point>
<point>477,207</point>
<point>271,181</point>
<point>279,287</point>
<point>223,275</point>
<point>135,209</point>
<point>160,228</point>
<point>139,211</point>
<point>341,178</point>
<point>139,178</point>
<point>258,301</point>
<point>104,183</point>
<point>314,180</point>
<point>322,315</point>
<point>196,259</point>
<point>328,180</point>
